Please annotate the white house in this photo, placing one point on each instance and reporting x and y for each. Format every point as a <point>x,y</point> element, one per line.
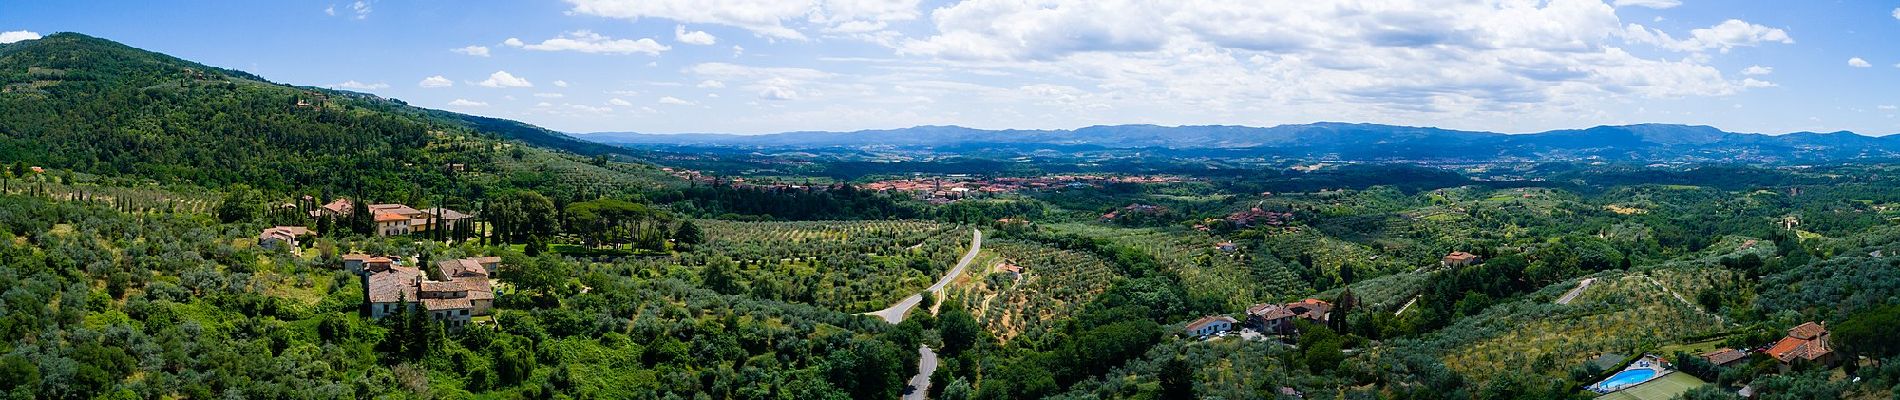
<point>1211,325</point>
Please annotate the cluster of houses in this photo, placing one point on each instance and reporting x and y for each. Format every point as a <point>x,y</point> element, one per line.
<point>395,219</point>
<point>1266,318</point>
<point>390,287</point>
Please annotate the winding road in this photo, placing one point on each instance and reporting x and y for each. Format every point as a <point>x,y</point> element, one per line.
<point>919,385</point>
<point>895,313</point>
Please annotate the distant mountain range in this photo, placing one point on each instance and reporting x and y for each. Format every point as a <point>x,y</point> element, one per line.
<point>1327,140</point>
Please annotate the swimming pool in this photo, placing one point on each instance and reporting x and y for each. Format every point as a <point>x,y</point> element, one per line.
<point>1626,378</point>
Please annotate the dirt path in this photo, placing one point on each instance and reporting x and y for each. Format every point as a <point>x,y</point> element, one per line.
<point>896,312</point>
<point>1684,301</point>
<point>1573,293</point>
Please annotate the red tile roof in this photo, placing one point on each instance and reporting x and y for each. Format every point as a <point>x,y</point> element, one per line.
<point>1808,331</point>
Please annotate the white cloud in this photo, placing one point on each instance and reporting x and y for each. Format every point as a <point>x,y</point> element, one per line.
<point>560,83</point>
<point>361,9</point>
<point>737,51</point>
<point>618,102</point>
<point>1758,70</point>
<point>478,51</point>
<point>15,36</point>
<point>711,84</point>
<point>1656,4</point>
<point>591,109</point>
<point>674,101</point>
<point>769,18</point>
<point>1888,107</point>
<point>778,93</point>
<point>360,85</point>
<point>1896,13</point>
<point>513,42</point>
<point>503,79</point>
<point>435,82</point>
<point>331,10</point>
<point>1724,36</point>
<point>1756,83</point>
<point>549,95</point>
<point>693,37</point>
<point>1856,62</point>
<point>466,103</point>
<point>589,42</point>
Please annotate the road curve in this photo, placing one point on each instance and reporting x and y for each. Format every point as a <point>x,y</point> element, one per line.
<point>895,313</point>
<point>919,387</point>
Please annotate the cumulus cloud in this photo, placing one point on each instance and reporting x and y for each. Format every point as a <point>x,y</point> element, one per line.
<point>1856,62</point>
<point>674,101</point>
<point>778,19</point>
<point>466,103</point>
<point>1724,36</point>
<point>711,84</point>
<point>1756,83</point>
<point>560,83</point>
<point>549,95</point>
<point>478,51</point>
<point>360,85</point>
<point>1656,4</point>
<point>1758,70</point>
<point>618,102</point>
<point>435,82</point>
<point>503,79</point>
<point>693,37</point>
<point>589,42</point>
<point>15,36</point>
<point>1896,13</point>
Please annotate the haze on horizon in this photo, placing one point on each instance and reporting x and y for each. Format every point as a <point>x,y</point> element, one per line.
<point>754,66</point>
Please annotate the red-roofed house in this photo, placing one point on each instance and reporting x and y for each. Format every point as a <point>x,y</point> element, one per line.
<point>392,224</point>
<point>1458,259</point>
<point>1808,341</point>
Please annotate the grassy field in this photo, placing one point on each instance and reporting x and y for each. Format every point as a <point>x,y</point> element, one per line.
<point>1664,388</point>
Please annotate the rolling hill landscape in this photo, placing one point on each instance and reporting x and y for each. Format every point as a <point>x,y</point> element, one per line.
<point>176,230</point>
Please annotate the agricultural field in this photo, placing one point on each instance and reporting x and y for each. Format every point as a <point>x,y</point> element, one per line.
<point>1622,312</point>
<point>850,266</point>
<point>1235,278</point>
<point>1052,285</point>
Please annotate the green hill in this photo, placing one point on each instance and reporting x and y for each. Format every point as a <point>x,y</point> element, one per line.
<point>95,106</point>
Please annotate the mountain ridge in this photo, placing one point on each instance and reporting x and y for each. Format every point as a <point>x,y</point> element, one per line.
<point>1352,141</point>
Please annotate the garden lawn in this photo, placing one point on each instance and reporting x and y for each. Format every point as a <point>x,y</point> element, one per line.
<point>1664,388</point>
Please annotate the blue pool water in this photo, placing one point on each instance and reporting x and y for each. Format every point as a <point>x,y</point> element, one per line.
<point>1627,378</point>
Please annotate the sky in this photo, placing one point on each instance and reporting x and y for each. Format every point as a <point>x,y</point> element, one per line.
<point>760,66</point>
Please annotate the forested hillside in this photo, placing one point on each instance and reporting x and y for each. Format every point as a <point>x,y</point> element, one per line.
<point>95,106</point>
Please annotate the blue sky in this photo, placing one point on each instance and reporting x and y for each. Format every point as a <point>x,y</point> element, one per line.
<point>754,66</point>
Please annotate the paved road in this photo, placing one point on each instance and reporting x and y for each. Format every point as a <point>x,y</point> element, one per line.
<point>895,313</point>
<point>920,384</point>
<point>1572,295</point>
